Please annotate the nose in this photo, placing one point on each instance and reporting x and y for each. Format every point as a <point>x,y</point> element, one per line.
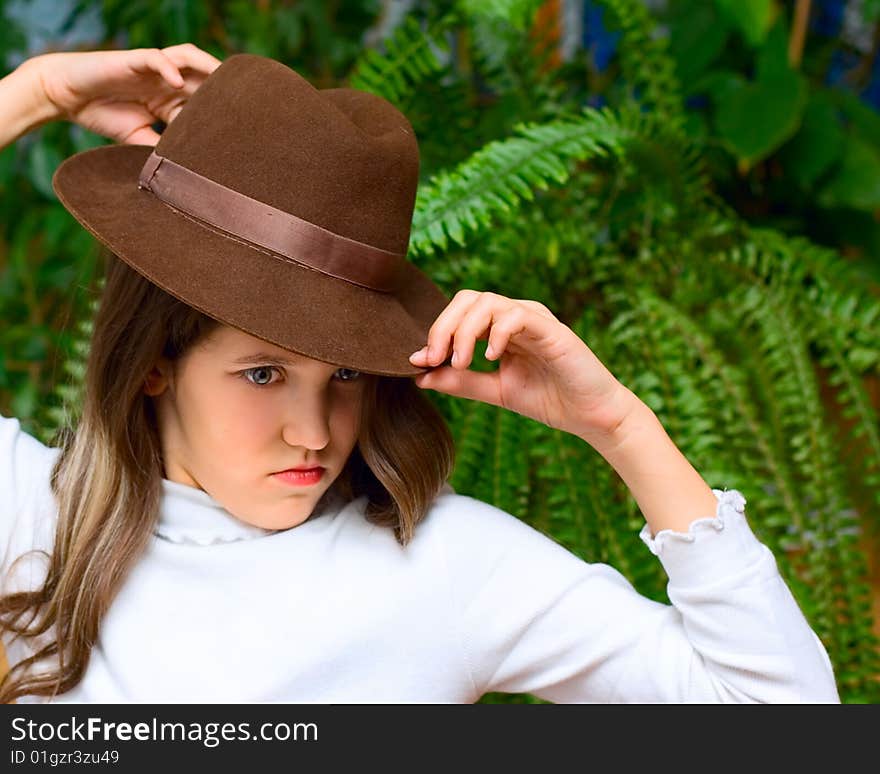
<point>307,423</point>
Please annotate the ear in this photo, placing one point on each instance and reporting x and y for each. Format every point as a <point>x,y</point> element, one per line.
<point>158,378</point>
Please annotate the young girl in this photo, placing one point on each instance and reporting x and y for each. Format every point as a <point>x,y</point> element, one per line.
<point>258,317</point>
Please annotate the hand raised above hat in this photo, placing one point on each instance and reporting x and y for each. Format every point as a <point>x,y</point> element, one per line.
<point>121,94</point>
<point>546,371</point>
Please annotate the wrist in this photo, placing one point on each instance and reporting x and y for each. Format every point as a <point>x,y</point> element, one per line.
<point>24,101</point>
<point>33,72</point>
<point>629,410</point>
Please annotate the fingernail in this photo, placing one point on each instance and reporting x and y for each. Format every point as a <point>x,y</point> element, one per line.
<point>454,357</point>
<point>417,354</point>
<point>489,351</point>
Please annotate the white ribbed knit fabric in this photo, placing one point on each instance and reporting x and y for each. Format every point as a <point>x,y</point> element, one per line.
<point>334,610</point>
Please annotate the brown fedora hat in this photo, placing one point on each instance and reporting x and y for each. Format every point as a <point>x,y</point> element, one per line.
<point>277,208</point>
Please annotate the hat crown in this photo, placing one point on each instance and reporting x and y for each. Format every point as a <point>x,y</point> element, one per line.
<point>344,159</point>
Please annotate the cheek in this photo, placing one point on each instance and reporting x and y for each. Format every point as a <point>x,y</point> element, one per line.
<point>247,420</point>
<point>345,419</point>
<point>229,416</point>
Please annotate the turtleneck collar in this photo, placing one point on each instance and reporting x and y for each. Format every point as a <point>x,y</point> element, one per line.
<point>191,516</point>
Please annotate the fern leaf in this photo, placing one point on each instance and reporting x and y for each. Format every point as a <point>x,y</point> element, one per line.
<point>505,172</point>
<point>409,59</point>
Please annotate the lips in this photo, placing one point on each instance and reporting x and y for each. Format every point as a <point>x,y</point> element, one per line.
<point>303,469</point>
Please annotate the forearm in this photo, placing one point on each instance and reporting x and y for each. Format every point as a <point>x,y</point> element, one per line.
<point>669,491</point>
<point>23,105</point>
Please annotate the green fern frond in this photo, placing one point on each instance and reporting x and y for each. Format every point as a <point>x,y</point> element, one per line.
<point>664,158</point>
<point>507,465</point>
<point>409,59</point>
<point>65,405</point>
<point>744,455</point>
<point>441,146</point>
<point>846,365</point>
<point>517,13</point>
<point>828,562</point>
<point>645,63</point>
<point>856,634</point>
<point>571,503</point>
<point>831,286</point>
<point>508,61</point>
<point>839,315</point>
<point>473,429</point>
<point>498,177</point>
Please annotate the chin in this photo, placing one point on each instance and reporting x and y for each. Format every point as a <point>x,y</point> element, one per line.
<point>292,517</point>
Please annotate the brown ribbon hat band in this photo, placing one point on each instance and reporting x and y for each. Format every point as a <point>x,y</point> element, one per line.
<point>266,226</point>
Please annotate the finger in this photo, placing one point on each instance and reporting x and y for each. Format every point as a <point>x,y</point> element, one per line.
<point>473,385</point>
<point>537,306</point>
<point>146,60</point>
<point>185,55</point>
<point>192,80</point>
<point>480,320</point>
<point>143,135</point>
<point>510,323</point>
<point>530,332</point>
<point>119,118</point>
<point>440,333</point>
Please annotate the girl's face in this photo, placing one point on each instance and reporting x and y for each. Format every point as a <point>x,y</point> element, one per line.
<point>233,412</point>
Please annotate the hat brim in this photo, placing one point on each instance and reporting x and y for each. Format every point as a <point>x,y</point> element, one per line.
<point>249,288</point>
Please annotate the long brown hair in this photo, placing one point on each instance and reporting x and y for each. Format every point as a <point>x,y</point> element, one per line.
<point>107,485</point>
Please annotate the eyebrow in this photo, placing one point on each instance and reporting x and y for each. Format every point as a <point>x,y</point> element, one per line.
<point>267,358</point>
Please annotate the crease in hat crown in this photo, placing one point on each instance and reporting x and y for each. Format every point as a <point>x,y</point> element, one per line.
<point>342,159</point>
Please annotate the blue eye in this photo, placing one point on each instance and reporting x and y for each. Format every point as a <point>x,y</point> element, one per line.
<point>244,375</point>
<point>355,378</point>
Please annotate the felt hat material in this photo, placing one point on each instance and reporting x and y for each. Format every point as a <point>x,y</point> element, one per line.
<point>277,208</point>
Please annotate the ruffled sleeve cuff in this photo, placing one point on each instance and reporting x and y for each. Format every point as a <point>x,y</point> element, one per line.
<point>712,548</point>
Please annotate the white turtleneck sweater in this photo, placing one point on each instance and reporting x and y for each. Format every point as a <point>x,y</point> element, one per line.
<point>336,611</point>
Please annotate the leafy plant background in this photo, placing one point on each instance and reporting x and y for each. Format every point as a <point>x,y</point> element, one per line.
<point>693,187</point>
